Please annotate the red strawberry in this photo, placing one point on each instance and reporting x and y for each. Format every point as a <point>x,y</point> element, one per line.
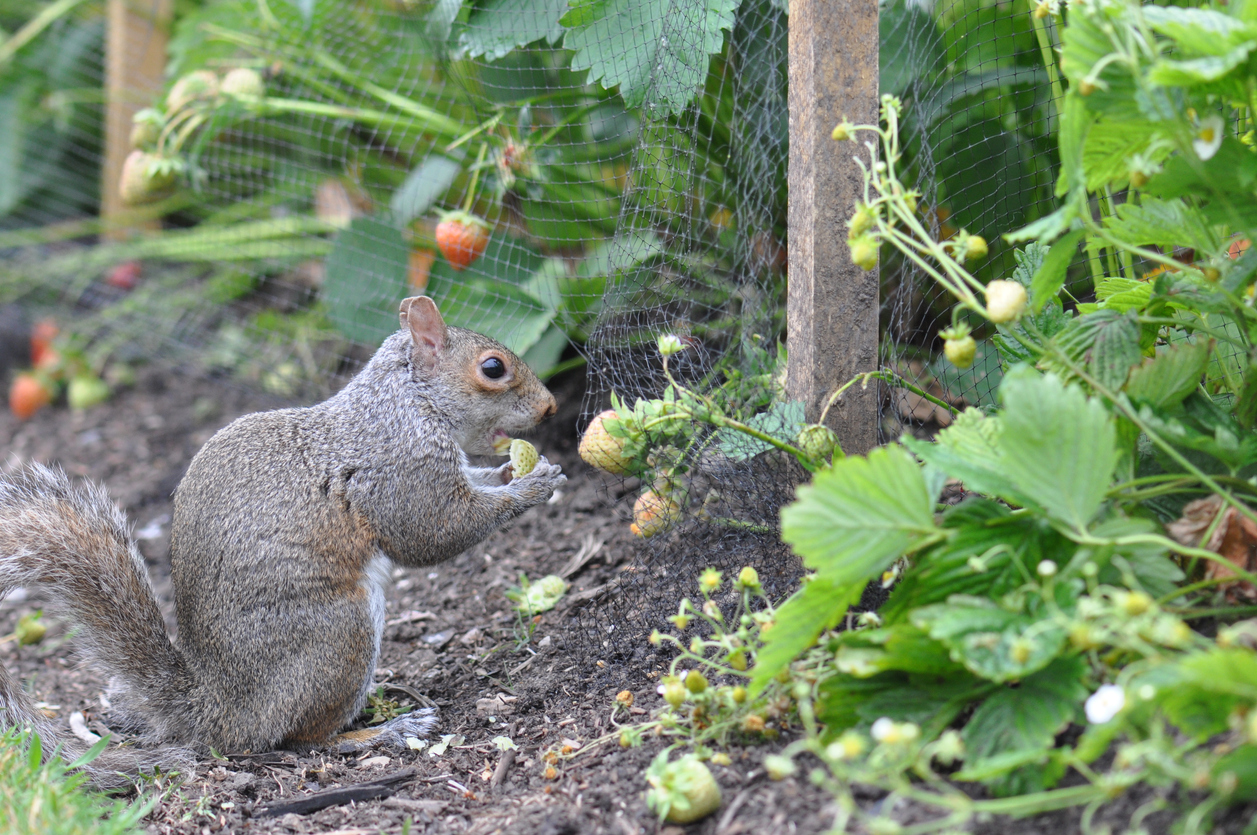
<point>27,395</point>
<point>124,276</point>
<point>462,238</point>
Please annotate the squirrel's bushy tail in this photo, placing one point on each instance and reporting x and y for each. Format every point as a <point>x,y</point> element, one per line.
<point>72,542</point>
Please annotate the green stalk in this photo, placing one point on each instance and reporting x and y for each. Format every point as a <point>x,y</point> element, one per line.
<point>439,124</point>
<point>47,16</point>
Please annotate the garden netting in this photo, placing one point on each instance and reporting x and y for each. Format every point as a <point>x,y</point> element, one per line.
<point>628,160</point>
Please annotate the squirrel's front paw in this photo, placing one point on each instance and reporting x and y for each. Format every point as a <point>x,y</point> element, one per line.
<point>539,485</point>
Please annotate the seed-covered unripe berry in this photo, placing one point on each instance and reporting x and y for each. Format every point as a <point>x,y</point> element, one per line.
<point>195,86</point>
<point>653,514</point>
<point>144,179</point>
<point>961,352</point>
<point>599,448</point>
<point>863,252</point>
<point>975,247</point>
<point>748,577</point>
<point>243,81</point>
<point>819,442</point>
<point>1005,300</point>
<point>861,222</point>
<point>695,682</point>
<point>674,693</point>
<point>146,128</point>
<point>523,457</point>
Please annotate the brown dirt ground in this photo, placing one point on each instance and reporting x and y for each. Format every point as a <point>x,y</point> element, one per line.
<point>451,635</point>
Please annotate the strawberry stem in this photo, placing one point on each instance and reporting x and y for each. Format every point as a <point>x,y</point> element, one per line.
<point>475,177</point>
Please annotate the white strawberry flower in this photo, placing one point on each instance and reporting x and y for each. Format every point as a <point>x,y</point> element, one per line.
<point>1208,136</point>
<point>1105,703</point>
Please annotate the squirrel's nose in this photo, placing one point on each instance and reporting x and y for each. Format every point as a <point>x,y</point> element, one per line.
<point>550,408</point>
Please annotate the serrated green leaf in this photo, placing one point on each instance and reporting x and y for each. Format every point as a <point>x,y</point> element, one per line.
<point>1167,379</point>
<point>1050,276</point>
<point>423,186</point>
<point>366,280</point>
<point>1157,222</point>
<point>849,525</point>
<point>1192,71</point>
<point>782,421</point>
<point>1022,720</point>
<point>1200,31</point>
<point>857,511</point>
<point>1116,351</point>
<point>991,642</point>
<point>655,51</point>
<point>498,26</point>
<point>931,702</point>
<point>984,533</point>
<point>1123,294</point>
<point>1059,448</point>
<point>1109,147</point>
<point>969,450</point>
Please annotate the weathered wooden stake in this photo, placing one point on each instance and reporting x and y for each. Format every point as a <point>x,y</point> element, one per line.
<point>832,312</point>
<point>135,60</point>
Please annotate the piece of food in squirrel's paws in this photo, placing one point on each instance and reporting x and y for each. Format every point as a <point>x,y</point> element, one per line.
<point>523,457</point>
<point>599,448</point>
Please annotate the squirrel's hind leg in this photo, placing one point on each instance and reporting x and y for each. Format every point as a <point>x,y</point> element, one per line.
<point>392,734</point>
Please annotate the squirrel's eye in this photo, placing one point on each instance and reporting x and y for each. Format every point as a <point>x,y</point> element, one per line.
<point>493,368</point>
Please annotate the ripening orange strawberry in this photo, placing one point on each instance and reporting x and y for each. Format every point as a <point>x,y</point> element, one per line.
<point>462,238</point>
<point>27,395</point>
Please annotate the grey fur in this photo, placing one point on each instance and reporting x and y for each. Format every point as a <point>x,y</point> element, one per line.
<point>277,525</point>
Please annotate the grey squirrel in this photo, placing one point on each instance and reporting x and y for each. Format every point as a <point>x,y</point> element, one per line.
<point>283,532</point>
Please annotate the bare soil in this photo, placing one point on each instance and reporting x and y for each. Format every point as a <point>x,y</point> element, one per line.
<point>452,636</point>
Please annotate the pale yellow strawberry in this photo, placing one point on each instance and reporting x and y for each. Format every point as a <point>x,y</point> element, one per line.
<point>599,448</point>
<point>653,514</point>
<point>523,457</point>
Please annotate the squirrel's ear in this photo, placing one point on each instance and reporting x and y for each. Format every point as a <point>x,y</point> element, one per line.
<point>427,329</point>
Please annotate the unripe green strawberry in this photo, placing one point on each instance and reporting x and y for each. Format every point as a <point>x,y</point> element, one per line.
<point>146,178</point>
<point>863,252</point>
<point>818,442</point>
<point>748,577</point>
<point>30,628</point>
<point>599,448</point>
<point>1005,300</point>
<point>523,457</point>
<point>975,247</point>
<point>695,682</point>
<point>682,791</point>
<point>961,351</point>
<point>146,128</point>
<point>674,692</point>
<point>860,222</point>
<point>197,85</point>
<point>243,81</point>
<point>86,391</point>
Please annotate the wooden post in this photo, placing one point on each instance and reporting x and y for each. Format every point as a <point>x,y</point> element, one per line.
<point>135,62</point>
<point>832,308</point>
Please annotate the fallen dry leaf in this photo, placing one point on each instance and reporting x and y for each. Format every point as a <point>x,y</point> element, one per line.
<point>1234,538</point>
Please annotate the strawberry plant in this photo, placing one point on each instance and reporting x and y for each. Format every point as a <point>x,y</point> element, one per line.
<point>1109,492</point>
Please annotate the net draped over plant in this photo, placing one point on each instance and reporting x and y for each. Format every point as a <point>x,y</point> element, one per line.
<point>627,159</point>
<point>980,113</point>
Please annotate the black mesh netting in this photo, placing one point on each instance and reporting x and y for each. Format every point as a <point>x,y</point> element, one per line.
<point>628,161</point>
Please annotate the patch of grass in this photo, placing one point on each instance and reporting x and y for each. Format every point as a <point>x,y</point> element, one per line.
<point>49,798</point>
